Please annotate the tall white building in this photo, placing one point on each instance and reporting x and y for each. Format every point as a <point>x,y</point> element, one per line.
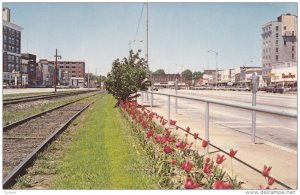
<point>279,43</point>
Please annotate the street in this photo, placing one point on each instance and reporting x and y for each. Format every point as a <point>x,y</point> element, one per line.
<point>275,129</point>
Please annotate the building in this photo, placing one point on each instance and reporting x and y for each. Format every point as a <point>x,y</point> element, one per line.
<point>168,80</point>
<point>29,65</point>
<point>228,77</point>
<point>279,43</point>
<point>71,68</point>
<point>11,50</point>
<point>209,77</point>
<point>284,75</point>
<point>245,76</point>
<point>48,72</point>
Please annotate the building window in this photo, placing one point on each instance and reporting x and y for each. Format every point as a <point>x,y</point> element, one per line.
<point>276,27</point>
<point>13,40</point>
<point>284,27</point>
<point>61,66</point>
<point>5,38</point>
<point>276,35</point>
<point>17,67</point>
<point>9,31</point>
<point>67,66</point>
<point>73,65</point>
<point>17,42</point>
<point>284,42</point>
<point>292,41</point>
<point>10,67</point>
<point>13,49</point>
<point>293,55</point>
<point>18,34</point>
<point>4,47</point>
<point>276,57</point>
<point>276,49</point>
<point>5,29</point>
<point>9,39</point>
<point>17,50</point>
<point>73,71</point>
<point>276,42</point>
<point>13,32</point>
<point>9,48</point>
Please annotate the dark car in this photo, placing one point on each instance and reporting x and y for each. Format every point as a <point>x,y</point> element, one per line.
<point>270,89</point>
<point>154,89</point>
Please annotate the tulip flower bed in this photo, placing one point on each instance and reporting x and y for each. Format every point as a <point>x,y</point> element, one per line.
<point>174,162</point>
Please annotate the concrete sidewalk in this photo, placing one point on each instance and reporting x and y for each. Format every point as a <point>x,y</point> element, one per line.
<point>282,160</point>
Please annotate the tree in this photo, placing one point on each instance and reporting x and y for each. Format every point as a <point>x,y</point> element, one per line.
<point>197,75</point>
<point>187,74</point>
<point>159,71</point>
<point>127,77</point>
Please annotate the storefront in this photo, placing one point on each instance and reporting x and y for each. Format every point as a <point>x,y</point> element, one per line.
<point>284,77</point>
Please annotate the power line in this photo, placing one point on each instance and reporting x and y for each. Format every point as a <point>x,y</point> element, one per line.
<point>137,30</point>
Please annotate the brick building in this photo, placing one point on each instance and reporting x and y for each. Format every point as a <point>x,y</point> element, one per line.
<point>11,48</point>
<point>69,69</point>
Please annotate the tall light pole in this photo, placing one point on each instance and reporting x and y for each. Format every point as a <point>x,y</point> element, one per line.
<point>217,73</point>
<point>55,69</point>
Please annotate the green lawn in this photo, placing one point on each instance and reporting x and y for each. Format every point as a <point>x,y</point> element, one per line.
<point>103,154</point>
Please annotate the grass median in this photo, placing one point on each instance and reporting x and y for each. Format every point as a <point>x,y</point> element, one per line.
<point>103,154</point>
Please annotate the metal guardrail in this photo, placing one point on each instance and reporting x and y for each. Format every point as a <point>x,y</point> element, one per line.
<point>208,101</point>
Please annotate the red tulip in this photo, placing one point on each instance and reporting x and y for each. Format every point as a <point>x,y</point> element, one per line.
<point>171,139</point>
<point>220,159</point>
<point>177,128</point>
<point>219,184</point>
<point>196,135</point>
<point>204,143</point>
<point>207,169</point>
<point>261,187</point>
<point>168,149</point>
<point>187,166</point>
<point>271,181</point>
<point>173,162</point>
<point>150,133</point>
<point>180,144</point>
<point>163,122</point>
<point>188,129</point>
<point>232,153</point>
<point>189,184</point>
<point>163,139</point>
<point>266,171</point>
<point>157,138</point>
<point>172,122</point>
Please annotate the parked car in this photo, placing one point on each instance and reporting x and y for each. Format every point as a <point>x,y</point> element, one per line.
<point>270,89</point>
<point>154,89</point>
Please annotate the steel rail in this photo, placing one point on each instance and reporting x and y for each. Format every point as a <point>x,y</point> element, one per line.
<point>39,97</point>
<point>20,170</point>
<point>7,127</point>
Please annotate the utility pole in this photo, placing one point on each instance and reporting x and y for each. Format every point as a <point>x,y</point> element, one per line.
<point>147,49</point>
<point>55,69</point>
<point>88,78</point>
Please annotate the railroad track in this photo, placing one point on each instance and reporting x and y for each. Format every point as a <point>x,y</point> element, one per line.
<point>23,140</point>
<point>40,97</point>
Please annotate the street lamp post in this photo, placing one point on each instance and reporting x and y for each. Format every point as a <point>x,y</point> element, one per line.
<point>55,69</point>
<point>217,73</point>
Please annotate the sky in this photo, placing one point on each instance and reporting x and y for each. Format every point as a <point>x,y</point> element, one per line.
<point>180,34</point>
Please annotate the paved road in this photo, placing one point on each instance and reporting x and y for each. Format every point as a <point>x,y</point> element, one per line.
<point>273,128</point>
